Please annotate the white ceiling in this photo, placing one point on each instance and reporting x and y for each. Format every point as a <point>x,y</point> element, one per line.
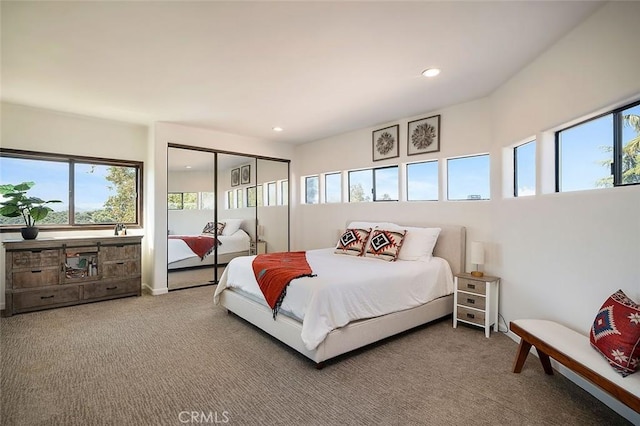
<point>315,68</point>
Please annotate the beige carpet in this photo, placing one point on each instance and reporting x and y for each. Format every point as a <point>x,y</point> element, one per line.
<point>154,360</point>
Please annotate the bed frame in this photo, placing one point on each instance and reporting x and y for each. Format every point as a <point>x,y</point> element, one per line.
<point>451,246</point>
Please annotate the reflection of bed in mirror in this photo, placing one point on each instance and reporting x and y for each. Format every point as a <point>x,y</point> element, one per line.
<point>233,243</point>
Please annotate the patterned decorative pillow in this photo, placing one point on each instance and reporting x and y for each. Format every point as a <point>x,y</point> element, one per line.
<point>616,333</point>
<point>353,242</point>
<point>212,228</point>
<point>385,244</point>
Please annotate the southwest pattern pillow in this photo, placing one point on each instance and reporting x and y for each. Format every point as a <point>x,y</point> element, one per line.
<point>353,242</point>
<point>213,228</point>
<point>616,333</point>
<point>385,244</point>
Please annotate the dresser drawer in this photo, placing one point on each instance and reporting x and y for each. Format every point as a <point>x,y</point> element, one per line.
<point>472,300</point>
<point>120,252</point>
<point>470,315</point>
<point>471,286</point>
<point>123,269</point>
<point>37,277</point>
<point>98,290</point>
<point>39,298</point>
<point>35,258</point>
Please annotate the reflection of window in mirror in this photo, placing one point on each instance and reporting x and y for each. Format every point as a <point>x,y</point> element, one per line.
<point>239,198</point>
<point>284,193</point>
<point>260,195</point>
<point>251,196</point>
<point>207,200</point>
<point>231,199</point>
<point>271,194</point>
<point>190,200</point>
<point>174,201</point>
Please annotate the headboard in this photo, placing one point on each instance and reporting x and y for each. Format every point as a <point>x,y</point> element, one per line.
<point>451,244</point>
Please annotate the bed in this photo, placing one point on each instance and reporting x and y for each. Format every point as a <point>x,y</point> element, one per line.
<point>333,340</point>
<point>233,243</point>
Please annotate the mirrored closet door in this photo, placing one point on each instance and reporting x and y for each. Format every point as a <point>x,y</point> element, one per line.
<point>219,206</point>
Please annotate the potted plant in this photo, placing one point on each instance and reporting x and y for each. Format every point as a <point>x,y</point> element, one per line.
<point>15,202</point>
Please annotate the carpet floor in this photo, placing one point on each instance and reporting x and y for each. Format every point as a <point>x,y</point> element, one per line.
<point>176,359</point>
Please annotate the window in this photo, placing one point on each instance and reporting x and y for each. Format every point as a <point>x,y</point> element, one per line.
<point>468,178</point>
<point>94,192</point>
<point>524,169</point>
<point>601,152</point>
<point>207,200</point>
<point>385,184</point>
<point>272,200</point>
<point>422,181</point>
<point>379,184</point>
<point>360,186</point>
<point>311,191</point>
<point>333,188</point>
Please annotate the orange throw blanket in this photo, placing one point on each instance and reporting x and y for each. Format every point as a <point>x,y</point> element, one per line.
<point>274,272</point>
<point>200,245</point>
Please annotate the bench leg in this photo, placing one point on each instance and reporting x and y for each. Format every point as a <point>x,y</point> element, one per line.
<point>544,360</point>
<point>521,356</point>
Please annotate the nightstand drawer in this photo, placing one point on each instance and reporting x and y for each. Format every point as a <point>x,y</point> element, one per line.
<point>472,300</point>
<point>471,315</point>
<point>472,286</point>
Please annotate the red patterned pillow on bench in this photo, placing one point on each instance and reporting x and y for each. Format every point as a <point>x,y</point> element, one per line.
<point>616,333</point>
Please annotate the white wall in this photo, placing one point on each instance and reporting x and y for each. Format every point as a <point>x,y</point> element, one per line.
<point>165,133</point>
<point>36,129</point>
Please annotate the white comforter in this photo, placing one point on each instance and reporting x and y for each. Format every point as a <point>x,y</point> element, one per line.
<point>179,250</point>
<point>346,289</point>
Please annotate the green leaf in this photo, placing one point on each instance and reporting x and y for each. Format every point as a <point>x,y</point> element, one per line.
<point>24,186</point>
<point>9,211</point>
<point>39,213</point>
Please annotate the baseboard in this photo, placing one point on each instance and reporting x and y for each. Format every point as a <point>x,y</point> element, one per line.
<point>154,291</point>
<point>598,393</point>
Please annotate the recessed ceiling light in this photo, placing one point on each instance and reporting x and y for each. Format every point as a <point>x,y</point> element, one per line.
<point>431,72</point>
<point>277,129</point>
<point>187,167</point>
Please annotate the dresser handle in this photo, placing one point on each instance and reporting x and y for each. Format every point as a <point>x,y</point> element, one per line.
<point>471,301</point>
<point>36,251</point>
<point>112,288</point>
<point>473,286</point>
<point>48,297</point>
<point>37,271</point>
<point>471,316</point>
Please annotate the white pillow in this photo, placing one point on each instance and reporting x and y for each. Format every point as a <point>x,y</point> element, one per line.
<point>418,242</point>
<point>231,226</point>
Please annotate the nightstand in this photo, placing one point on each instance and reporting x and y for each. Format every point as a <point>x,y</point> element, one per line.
<point>475,301</point>
<point>257,247</point>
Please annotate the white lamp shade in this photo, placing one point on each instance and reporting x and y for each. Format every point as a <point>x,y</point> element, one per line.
<point>477,253</point>
<point>260,231</point>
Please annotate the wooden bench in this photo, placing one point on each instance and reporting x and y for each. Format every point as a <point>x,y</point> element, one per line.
<point>574,351</point>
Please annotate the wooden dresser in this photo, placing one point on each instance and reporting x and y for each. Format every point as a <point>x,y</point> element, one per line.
<point>54,272</point>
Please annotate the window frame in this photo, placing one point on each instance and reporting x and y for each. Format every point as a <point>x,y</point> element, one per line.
<point>72,160</point>
<point>616,165</point>
<point>373,183</point>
